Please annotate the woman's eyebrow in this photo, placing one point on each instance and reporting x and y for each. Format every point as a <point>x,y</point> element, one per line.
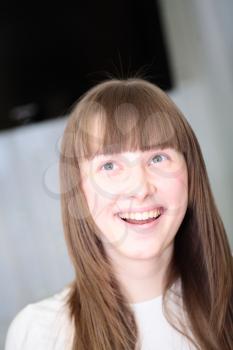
<point>102,154</point>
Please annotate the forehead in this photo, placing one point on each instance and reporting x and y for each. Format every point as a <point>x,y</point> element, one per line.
<point>101,134</point>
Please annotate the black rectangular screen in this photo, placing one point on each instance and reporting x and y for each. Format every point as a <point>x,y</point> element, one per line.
<point>50,56</point>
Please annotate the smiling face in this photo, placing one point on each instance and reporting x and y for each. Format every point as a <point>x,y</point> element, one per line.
<point>137,181</point>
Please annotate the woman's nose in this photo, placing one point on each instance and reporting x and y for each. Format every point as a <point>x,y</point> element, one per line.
<point>141,185</point>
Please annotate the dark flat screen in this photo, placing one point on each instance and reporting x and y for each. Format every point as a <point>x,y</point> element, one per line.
<point>51,56</point>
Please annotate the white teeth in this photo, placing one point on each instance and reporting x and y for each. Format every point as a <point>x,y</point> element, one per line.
<point>144,216</point>
<point>140,216</point>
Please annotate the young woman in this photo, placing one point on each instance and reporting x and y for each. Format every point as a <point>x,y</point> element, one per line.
<point>153,265</point>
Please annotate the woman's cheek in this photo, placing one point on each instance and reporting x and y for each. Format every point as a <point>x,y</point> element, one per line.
<point>175,193</point>
<point>112,184</point>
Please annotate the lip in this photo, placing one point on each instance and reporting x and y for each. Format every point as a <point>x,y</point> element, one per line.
<point>141,210</point>
<point>142,229</point>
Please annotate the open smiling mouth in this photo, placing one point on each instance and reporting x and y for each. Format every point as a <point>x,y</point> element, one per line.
<point>141,222</point>
<point>147,219</point>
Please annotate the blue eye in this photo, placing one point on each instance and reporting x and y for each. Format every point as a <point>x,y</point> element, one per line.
<point>108,168</point>
<point>158,156</point>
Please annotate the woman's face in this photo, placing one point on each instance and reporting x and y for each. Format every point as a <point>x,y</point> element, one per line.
<point>136,182</point>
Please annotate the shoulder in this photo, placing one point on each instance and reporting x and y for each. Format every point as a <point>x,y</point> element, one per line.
<point>41,325</point>
<point>17,329</point>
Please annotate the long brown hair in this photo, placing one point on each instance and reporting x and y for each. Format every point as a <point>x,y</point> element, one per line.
<point>135,114</point>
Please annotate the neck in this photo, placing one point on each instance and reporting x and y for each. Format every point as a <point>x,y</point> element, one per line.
<point>140,279</point>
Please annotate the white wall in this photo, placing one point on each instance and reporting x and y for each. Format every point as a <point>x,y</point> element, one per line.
<point>33,259</point>
<point>200,36</point>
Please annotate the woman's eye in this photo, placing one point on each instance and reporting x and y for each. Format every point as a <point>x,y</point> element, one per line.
<point>108,166</point>
<point>158,158</point>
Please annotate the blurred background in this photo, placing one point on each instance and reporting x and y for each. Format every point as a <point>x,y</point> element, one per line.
<point>48,58</point>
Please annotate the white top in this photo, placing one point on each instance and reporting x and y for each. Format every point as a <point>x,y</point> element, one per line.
<point>44,325</point>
